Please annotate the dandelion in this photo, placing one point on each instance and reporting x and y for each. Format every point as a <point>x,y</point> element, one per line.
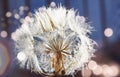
<point>55,41</point>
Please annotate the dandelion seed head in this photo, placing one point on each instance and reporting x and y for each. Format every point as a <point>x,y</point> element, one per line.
<point>55,41</point>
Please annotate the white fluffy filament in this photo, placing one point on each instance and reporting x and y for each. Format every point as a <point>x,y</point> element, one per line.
<point>55,41</point>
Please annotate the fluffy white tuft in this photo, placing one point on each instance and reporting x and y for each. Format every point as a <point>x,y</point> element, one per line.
<point>55,41</point>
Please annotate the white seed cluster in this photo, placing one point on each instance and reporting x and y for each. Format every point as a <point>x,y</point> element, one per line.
<point>54,41</point>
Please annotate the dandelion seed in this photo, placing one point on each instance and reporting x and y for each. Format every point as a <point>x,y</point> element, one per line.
<point>55,42</point>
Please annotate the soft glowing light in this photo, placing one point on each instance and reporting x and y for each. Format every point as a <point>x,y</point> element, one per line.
<point>8,14</point>
<point>21,20</point>
<point>3,34</point>
<point>16,16</point>
<point>27,18</point>
<point>52,4</point>
<point>97,70</point>
<point>21,8</point>
<point>92,65</point>
<point>4,59</point>
<point>107,71</point>
<point>13,35</point>
<point>115,70</point>
<point>86,72</point>
<point>108,32</point>
<point>21,56</point>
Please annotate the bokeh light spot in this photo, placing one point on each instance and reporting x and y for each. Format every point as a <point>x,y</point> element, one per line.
<point>21,8</point>
<point>86,72</point>
<point>52,4</point>
<point>115,70</point>
<point>8,14</point>
<point>21,56</point>
<point>92,65</point>
<point>3,34</point>
<point>107,71</point>
<point>16,16</point>
<point>21,20</point>
<point>98,70</point>
<point>108,32</point>
<point>27,18</point>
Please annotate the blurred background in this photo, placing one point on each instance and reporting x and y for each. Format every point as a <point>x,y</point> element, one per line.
<point>103,15</point>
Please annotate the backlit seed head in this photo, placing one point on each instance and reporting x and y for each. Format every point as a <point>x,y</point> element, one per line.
<point>55,41</point>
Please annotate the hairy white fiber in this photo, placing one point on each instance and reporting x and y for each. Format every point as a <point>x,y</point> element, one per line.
<point>54,41</point>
